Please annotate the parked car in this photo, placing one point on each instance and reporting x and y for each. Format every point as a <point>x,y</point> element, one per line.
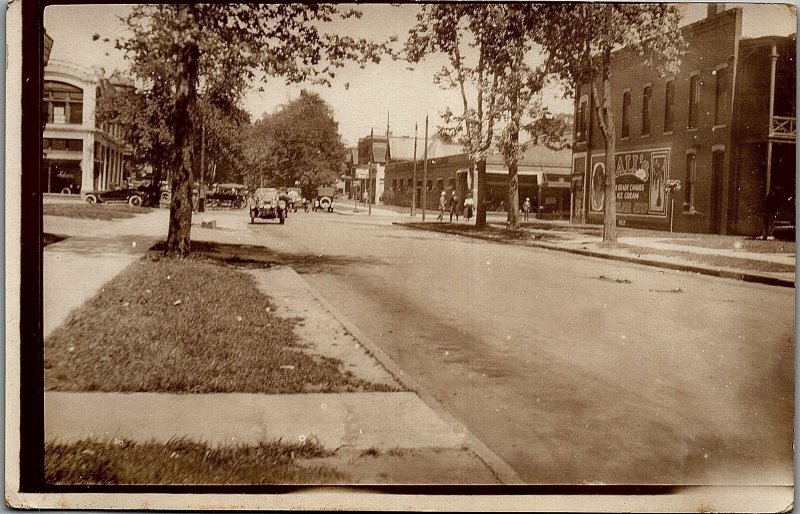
<point>268,204</point>
<point>324,199</point>
<point>66,183</point>
<point>137,196</point>
<point>229,194</point>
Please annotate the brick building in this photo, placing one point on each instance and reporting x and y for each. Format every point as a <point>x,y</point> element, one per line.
<point>724,125</point>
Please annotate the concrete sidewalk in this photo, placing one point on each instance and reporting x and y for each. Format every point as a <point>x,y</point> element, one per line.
<point>592,246</point>
<point>418,439</point>
<point>93,253</point>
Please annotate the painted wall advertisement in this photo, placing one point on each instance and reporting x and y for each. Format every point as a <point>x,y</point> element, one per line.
<point>641,177</point>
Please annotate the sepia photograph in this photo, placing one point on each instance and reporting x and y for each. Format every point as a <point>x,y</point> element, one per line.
<point>476,256</point>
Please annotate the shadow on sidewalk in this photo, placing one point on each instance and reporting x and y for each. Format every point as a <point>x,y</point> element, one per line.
<point>97,246</point>
<point>260,257</point>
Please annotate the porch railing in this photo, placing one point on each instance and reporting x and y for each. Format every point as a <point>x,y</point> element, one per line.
<point>783,127</point>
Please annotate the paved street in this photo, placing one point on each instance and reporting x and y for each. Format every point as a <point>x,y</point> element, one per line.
<point>560,365</point>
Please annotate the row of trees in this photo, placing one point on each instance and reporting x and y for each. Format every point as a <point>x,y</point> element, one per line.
<point>489,50</point>
<point>193,62</point>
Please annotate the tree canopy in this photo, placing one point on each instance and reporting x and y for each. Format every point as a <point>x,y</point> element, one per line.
<point>214,51</point>
<point>299,143</point>
<point>488,47</point>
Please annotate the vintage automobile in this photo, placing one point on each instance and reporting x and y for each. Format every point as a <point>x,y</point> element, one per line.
<point>135,196</point>
<point>229,194</point>
<point>268,204</point>
<point>66,183</point>
<point>324,199</point>
<point>294,195</point>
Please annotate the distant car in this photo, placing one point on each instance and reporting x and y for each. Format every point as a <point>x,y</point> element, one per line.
<point>269,204</point>
<point>142,195</point>
<point>230,194</point>
<point>294,196</point>
<point>324,199</point>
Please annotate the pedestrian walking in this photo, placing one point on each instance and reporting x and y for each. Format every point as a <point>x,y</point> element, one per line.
<point>771,207</point>
<point>526,208</point>
<point>453,207</point>
<point>469,204</point>
<point>442,205</point>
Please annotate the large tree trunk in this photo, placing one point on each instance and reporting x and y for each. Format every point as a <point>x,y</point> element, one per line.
<point>610,139</point>
<point>180,212</point>
<point>513,196</point>
<point>480,207</point>
<point>610,208</point>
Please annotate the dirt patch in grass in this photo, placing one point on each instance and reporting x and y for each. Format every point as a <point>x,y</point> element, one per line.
<point>719,261</point>
<point>738,243</point>
<point>184,462</point>
<point>186,326</point>
<point>95,211</point>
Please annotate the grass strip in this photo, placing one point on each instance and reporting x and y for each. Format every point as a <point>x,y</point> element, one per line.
<point>186,326</point>
<point>182,461</point>
<point>718,261</point>
<point>489,232</point>
<point>738,243</point>
<point>524,237</point>
<point>95,211</point>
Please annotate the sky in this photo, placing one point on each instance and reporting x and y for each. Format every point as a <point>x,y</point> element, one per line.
<point>361,98</point>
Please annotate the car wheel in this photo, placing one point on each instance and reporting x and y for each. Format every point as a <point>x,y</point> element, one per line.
<point>91,199</point>
<point>66,191</point>
<point>135,201</point>
<point>166,195</point>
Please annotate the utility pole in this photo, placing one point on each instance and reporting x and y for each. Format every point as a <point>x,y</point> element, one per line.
<point>425,172</point>
<point>201,207</point>
<point>414,183</point>
<point>369,171</point>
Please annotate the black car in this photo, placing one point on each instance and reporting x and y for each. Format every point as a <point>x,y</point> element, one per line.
<point>139,196</point>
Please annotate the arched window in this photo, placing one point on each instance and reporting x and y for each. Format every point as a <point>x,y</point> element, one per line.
<point>62,103</point>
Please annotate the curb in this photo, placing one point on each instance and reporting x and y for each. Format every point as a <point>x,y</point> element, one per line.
<point>690,268</point>
<point>504,473</point>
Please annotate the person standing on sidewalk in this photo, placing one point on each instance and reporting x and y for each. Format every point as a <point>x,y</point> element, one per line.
<point>442,205</point>
<point>469,204</point>
<point>453,207</point>
<point>526,208</point>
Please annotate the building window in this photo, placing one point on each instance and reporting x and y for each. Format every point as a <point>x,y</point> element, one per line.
<point>581,129</point>
<point>59,113</point>
<point>669,105</point>
<point>722,94</point>
<point>626,114</point>
<point>647,101</point>
<point>76,112</point>
<point>394,184</point>
<point>429,185</point>
<point>691,180</point>
<point>694,100</point>
<point>62,103</point>
<point>439,184</point>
